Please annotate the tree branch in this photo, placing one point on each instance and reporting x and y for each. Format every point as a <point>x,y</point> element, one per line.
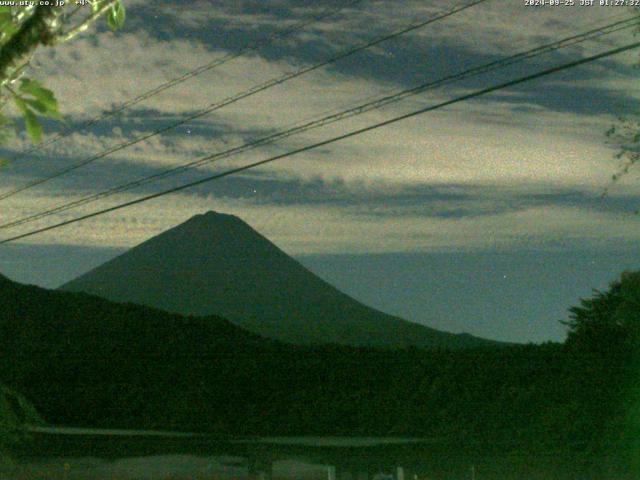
<point>36,30</point>
<point>82,26</point>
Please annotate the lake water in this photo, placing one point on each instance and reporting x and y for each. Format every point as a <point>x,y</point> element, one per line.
<point>74,454</point>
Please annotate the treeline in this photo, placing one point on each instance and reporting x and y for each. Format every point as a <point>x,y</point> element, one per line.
<point>84,361</point>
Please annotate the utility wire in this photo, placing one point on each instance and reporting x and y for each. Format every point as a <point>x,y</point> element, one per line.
<point>340,115</point>
<point>242,95</point>
<point>332,140</point>
<point>251,47</point>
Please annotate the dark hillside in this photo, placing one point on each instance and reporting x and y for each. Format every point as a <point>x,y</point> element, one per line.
<point>85,361</point>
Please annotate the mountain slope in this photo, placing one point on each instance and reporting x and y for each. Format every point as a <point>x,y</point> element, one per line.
<point>217,264</point>
<point>86,361</point>
<point>83,360</point>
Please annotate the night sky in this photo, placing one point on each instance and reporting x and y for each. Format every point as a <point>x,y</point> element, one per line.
<point>484,217</point>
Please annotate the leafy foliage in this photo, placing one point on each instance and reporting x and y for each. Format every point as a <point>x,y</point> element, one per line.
<point>116,16</point>
<point>624,135</point>
<point>609,322</point>
<point>32,100</point>
<point>604,345</point>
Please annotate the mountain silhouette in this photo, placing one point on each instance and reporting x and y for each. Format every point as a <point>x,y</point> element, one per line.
<point>216,264</point>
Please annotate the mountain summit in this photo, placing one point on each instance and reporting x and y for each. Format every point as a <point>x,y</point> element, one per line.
<point>217,264</point>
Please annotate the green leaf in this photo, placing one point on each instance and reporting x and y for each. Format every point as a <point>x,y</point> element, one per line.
<point>97,5</point>
<point>7,26</point>
<point>5,18</point>
<point>35,88</point>
<point>34,127</point>
<point>22,106</point>
<point>36,105</point>
<point>116,16</point>
<point>45,101</point>
<point>43,108</point>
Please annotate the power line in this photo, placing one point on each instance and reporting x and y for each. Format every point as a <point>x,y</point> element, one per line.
<point>341,115</point>
<point>332,140</point>
<point>255,46</point>
<point>247,93</point>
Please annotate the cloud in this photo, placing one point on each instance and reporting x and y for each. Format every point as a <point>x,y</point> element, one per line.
<point>366,227</point>
<point>540,139</point>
